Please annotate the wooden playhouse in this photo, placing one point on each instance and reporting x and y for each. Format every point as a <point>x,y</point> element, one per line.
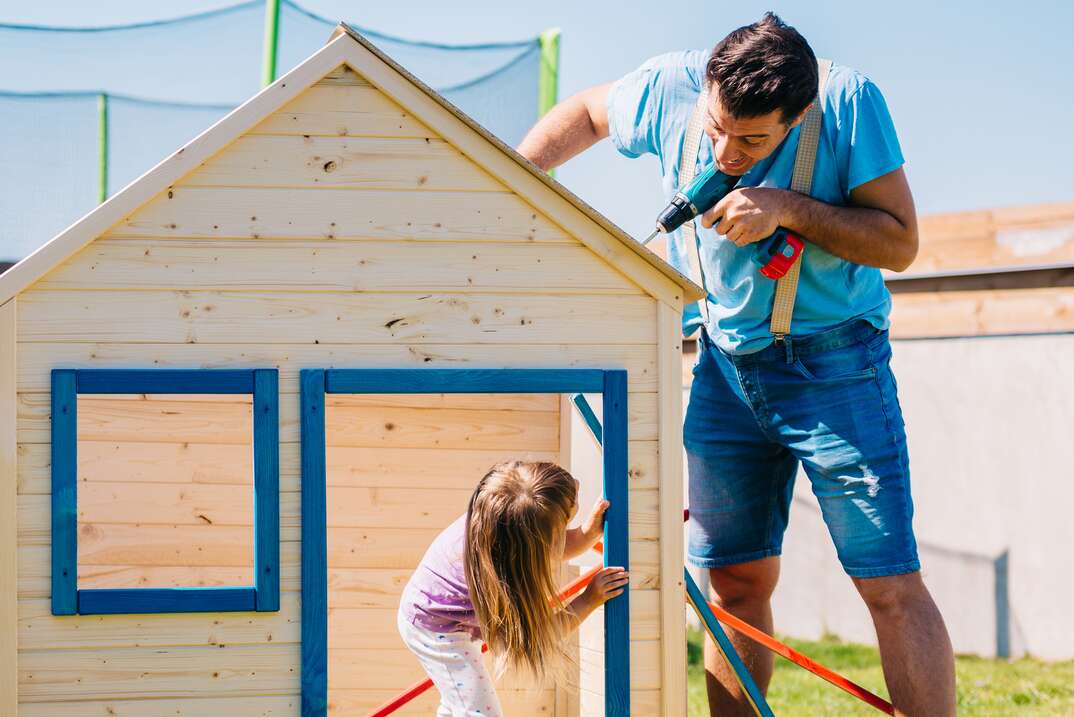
<point>239,398</point>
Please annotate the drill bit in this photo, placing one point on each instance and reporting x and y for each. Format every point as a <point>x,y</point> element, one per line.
<point>651,237</point>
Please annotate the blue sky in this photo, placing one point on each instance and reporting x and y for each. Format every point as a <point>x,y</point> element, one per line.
<point>982,93</point>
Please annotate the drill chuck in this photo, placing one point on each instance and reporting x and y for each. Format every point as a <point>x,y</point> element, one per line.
<point>675,214</point>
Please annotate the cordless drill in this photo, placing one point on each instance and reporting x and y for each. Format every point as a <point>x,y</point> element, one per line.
<point>774,255</point>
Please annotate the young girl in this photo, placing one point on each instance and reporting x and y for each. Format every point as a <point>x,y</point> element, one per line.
<point>491,576</point>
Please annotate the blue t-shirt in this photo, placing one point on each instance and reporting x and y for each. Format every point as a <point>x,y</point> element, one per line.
<point>648,111</point>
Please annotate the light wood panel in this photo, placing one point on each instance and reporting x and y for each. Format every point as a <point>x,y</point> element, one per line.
<point>8,489</point>
<point>264,317</point>
<point>982,313</point>
<point>429,164</point>
<point>40,630</point>
<point>103,418</point>
<point>34,573</point>
<point>268,213</point>
<point>245,706</point>
<point>139,672</point>
<point>336,265</point>
<point>35,359</point>
<point>669,514</point>
<point>335,111</point>
<point>1007,237</point>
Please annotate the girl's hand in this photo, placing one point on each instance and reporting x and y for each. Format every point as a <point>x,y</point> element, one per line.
<point>593,526</point>
<point>606,584</point>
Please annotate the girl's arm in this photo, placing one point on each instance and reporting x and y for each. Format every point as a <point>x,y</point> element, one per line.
<point>584,537</point>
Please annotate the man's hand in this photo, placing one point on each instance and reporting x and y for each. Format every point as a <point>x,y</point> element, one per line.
<point>747,215</point>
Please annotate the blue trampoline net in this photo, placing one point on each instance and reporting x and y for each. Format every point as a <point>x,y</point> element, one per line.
<point>167,81</point>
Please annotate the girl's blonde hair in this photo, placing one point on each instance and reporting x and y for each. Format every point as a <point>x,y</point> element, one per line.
<point>515,529</point>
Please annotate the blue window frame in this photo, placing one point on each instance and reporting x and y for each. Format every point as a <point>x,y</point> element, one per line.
<point>264,594</point>
<point>315,383</point>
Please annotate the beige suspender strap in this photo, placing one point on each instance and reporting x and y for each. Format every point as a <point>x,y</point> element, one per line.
<point>691,143</point>
<point>801,181</point>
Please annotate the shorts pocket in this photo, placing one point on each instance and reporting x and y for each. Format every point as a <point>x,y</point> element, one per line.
<point>848,363</point>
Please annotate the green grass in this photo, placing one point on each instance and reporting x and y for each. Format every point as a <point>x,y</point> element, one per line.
<point>986,688</point>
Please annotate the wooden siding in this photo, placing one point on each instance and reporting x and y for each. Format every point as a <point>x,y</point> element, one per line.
<point>281,263</point>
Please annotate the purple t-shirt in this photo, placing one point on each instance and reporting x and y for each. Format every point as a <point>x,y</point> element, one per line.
<point>437,597</point>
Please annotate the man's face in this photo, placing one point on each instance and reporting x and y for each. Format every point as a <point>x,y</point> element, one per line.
<point>738,143</point>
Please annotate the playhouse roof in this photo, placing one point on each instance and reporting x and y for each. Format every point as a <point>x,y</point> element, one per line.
<point>346,46</point>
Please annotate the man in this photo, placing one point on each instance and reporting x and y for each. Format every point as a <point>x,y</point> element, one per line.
<point>824,396</point>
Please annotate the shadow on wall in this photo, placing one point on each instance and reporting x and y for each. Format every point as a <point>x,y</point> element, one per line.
<point>5,265</point>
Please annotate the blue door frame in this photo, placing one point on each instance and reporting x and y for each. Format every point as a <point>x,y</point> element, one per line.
<point>315,383</point>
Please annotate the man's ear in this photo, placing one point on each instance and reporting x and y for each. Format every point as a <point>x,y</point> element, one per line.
<point>798,120</point>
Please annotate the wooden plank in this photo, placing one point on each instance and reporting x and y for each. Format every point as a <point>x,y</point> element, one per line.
<point>34,573</point>
<point>267,489</point>
<point>241,706</point>
<point>63,438</point>
<point>8,517</point>
<point>39,629</point>
<point>644,666</point>
<point>168,381</point>
<point>462,380</point>
<point>672,620</point>
<point>342,75</point>
<point>145,601</point>
<point>396,507</point>
<point>420,428</point>
<point>429,164</point>
<point>122,421</point>
<point>1007,237</point>
<point>140,672</point>
<point>982,313</point>
<point>282,213</point>
<point>336,111</point>
<point>548,402</point>
<point>162,504</point>
<point>161,423</point>
<point>617,643</point>
<point>315,556</point>
<point>171,169</point>
<point>35,360</point>
<point>177,545</point>
<point>366,588</point>
<point>400,548</point>
<point>357,467</point>
<point>263,317</point>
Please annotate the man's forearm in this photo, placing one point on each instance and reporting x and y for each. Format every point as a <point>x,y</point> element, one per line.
<point>861,235</point>
<point>569,128</point>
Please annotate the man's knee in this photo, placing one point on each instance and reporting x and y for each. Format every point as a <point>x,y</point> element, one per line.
<point>894,594</point>
<point>745,583</point>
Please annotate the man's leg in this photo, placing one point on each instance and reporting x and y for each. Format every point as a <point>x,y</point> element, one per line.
<point>745,591</point>
<point>919,665</point>
<point>840,416</point>
<point>740,490</point>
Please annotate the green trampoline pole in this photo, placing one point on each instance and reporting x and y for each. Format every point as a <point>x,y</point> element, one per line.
<point>102,148</point>
<point>271,43</point>
<point>548,74</point>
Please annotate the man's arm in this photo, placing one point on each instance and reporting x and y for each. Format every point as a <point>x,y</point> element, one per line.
<point>878,228</point>
<point>569,128</point>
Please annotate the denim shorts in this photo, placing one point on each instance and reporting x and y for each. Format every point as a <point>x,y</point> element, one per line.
<point>827,400</point>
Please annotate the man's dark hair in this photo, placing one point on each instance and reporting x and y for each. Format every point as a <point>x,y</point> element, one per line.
<point>764,67</point>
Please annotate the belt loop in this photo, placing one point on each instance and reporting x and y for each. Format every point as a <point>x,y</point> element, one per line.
<point>788,348</point>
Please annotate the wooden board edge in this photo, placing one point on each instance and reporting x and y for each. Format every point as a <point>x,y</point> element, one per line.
<point>8,519</point>
<point>672,594</point>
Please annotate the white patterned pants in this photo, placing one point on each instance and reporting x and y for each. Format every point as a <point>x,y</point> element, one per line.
<point>453,660</point>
